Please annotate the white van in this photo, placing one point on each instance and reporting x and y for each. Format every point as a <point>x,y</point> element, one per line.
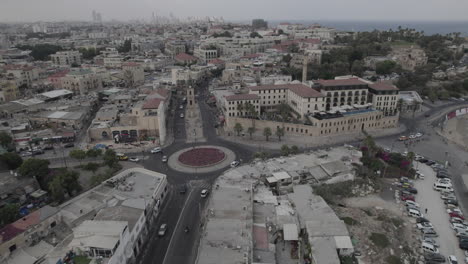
<point>414,213</point>
<point>446,187</point>
<point>429,248</point>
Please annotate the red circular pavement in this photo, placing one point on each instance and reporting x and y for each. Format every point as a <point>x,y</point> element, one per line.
<point>201,157</point>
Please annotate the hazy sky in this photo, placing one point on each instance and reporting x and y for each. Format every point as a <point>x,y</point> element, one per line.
<point>390,10</point>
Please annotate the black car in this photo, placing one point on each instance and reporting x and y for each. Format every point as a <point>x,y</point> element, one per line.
<point>411,190</point>
<point>423,160</point>
<point>422,220</point>
<point>451,201</point>
<point>38,152</point>
<point>69,145</point>
<point>442,175</point>
<point>183,189</point>
<point>436,257</point>
<point>430,162</point>
<point>48,147</point>
<point>463,245</point>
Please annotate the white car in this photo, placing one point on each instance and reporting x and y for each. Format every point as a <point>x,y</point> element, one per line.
<point>162,230</point>
<point>204,193</point>
<point>156,150</point>
<point>134,159</point>
<point>423,225</point>
<point>164,159</point>
<point>459,227</point>
<point>181,115</point>
<point>412,136</point>
<point>181,106</point>
<point>26,154</point>
<point>409,202</point>
<point>234,164</point>
<point>452,259</point>
<point>418,135</point>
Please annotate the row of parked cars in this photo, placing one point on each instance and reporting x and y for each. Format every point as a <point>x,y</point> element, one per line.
<point>443,184</point>
<point>412,136</point>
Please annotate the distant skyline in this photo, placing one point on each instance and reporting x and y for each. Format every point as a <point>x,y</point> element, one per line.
<point>235,10</point>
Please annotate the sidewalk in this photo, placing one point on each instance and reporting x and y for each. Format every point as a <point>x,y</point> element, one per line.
<point>194,124</point>
<point>303,142</point>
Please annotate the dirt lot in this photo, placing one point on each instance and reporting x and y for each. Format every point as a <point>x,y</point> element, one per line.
<point>380,231</point>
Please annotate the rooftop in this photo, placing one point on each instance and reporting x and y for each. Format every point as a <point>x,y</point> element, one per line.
<point>340,82</point>
<point>304,91</point>
<point>237,97</point>
<point>152,103</point>
<point>381,86</point>
<point>56,93</point>
<point>185,57</point>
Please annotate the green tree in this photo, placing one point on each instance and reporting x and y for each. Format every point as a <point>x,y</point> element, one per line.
<point>255,35</point>
<point>385,67</point>
<point>5,139</point>
<point>93,153</point>
<point>267,133</point>
<point>12,160</point>
<point>110,158</point>
<point>34,167</point>
<point>279,132</point>
<point>91,166</point>
<point>41,51</point>
<point>294,149</point>
<point>357,68</point>
<point>240,107</point>
<point>70,181</point>
<point>9,213</point>
<point>126,47</point>
<point>285,151</point>
<point>251,130</point>
<point>56,189</point>
<point>78,154</point>
<point>238,128</point>
<point>370,144</point>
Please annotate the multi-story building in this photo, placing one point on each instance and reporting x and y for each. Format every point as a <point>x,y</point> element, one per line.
<point>113,61</point>
<point>185,59</point>
<point>8,90</point>
<point>239,46</point>
<point>235,104</point>
<point>272,79</point>
<point>384,97</point>
<point>304,100</point>
<point>175,47</point>
<point>25,75</point>
<point>81,81</point>
<point>259,24</point>
<point>56,78</point>
<point>342,92</point>
<point>133,73</point>
<point>66,58</point>
<point>205,54</point>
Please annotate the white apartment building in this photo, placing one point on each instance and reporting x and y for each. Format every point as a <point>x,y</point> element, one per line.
<point>305,100</point>
<point>243,45</point>
<point>113,61</point>
<point>134,71</point>
<point>352,91</point>
<point>81,81</point>
<point>232,102</point>
<point>97,35</point>
<point>23,74</point>
<point>384,97</point>
<point>205,54</point>
<point>66,58</point>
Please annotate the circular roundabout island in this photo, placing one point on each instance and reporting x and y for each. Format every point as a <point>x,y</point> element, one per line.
<point>201,159</point>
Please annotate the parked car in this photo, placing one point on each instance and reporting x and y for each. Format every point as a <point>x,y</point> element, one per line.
<point>411,189</point>
<point>407,197</point>
<point>447,196</point>
<point>430,162</point>
<point>121,156</point>
<point>430,240</point>
<point>437,257</point>
<point>407,203</point>
<point>403,138</point>
<point>429,232</point>
<point>134,159</point>
<point>421,226</point>
<point>26,153</point>
<point>162,230</point>
<point>418,135</point>
<point>451,201</point>
<point>155,150</point>
<point>69,145</point>
<point>455,210</point>
<point>421,220</point>
<point>457,226</point>
<point>452,259</point>
<point>235,164</point>
<point>423,160</point>
<point>463,245</point>
<point>453,214</point>
<point>48,147</point>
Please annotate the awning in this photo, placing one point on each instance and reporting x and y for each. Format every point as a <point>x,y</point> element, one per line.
<point>290,232</point>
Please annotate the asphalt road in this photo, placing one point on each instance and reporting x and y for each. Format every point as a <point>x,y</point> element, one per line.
<point>185,209</point>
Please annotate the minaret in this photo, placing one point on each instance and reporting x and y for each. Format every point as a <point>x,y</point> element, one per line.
<point>304,68</point>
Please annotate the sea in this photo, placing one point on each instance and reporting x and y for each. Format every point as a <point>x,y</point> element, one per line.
<point>429,28</point>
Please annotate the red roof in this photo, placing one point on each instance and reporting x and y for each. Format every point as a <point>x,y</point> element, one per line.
<point>216,61</point>
<point>185,57</point>
<point>130,63</point>
<point>59,74</point>
<point>152,103</point>
<point>10,231</point>
<point>161,91</point>
<point>311,41</point>
<point>304,91</point>
<point>381,86</point>
<point>251,56</point>
<point>343,82</point>
<point>237,97</point>
<point>18,67</point>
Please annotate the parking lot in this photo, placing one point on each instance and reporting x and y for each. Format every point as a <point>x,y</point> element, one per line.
<point>437,214</point>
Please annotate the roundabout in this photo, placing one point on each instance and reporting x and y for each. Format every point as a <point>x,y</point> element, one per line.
<point>201,159</point>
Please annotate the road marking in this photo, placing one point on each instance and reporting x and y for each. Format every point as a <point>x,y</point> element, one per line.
<point>177,225</point>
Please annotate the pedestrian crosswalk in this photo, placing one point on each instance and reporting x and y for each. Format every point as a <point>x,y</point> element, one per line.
<point>200,184</point>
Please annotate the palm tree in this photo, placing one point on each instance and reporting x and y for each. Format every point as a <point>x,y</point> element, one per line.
<point>238,128</point>
<point>415,107</point>
<point>279,132</point>
<point>267,133</point>
<point>370,144</point>
<point>251,130</point>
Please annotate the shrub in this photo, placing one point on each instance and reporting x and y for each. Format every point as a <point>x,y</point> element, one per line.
<point>350,221</point>
<point>393,260</point>
<point>379,240</point>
